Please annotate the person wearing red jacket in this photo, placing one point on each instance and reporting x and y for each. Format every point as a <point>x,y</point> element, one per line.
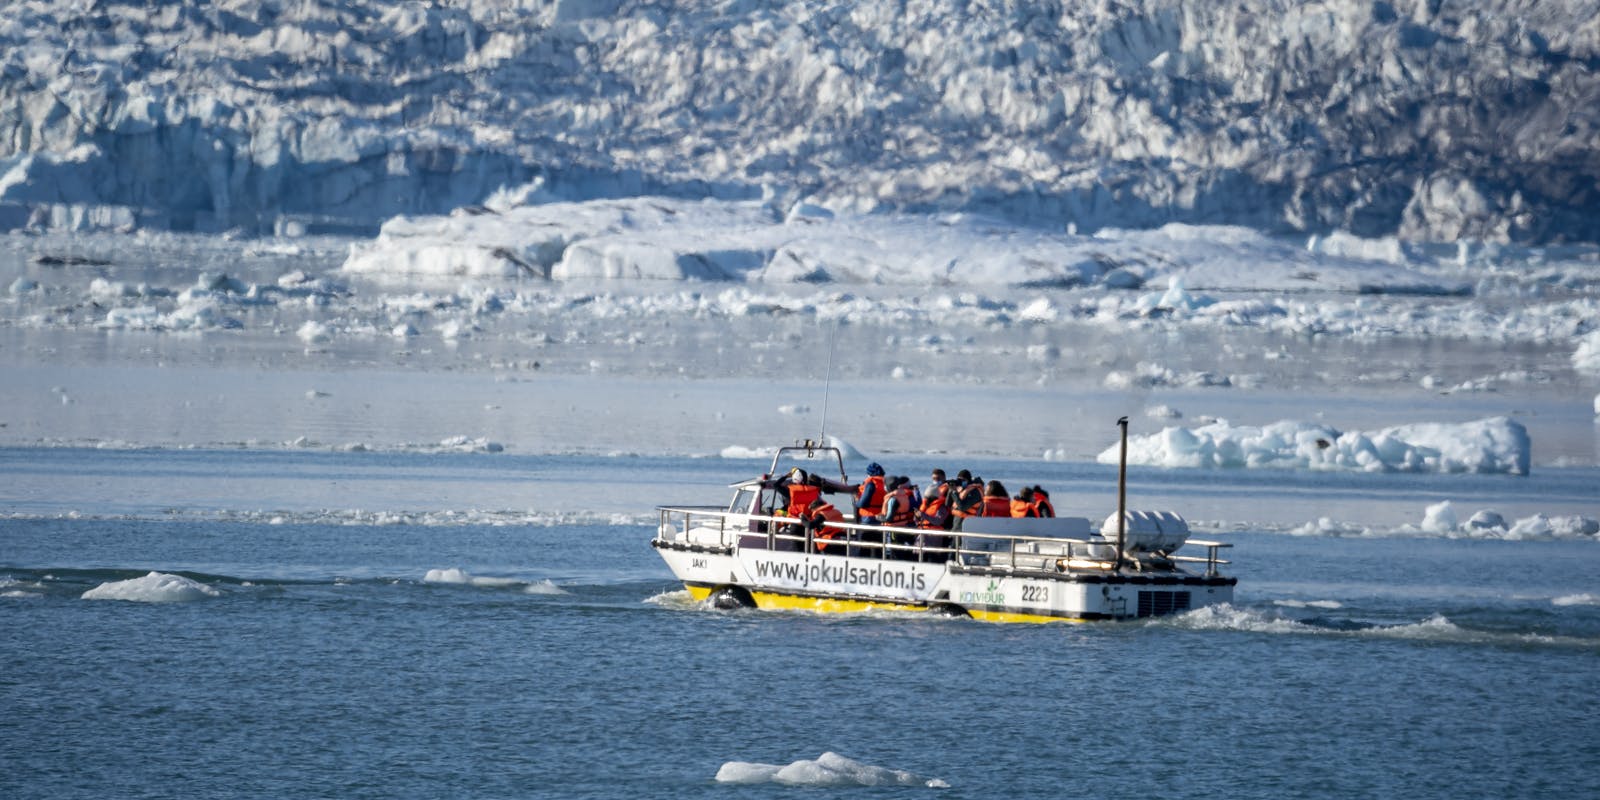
<point>818,516</point>
<point>996,503</point>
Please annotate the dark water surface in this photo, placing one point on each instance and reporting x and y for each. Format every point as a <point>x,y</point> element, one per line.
<point>565,662</point>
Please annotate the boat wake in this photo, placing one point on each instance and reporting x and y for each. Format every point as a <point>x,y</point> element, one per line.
<point>360,517</point>
<point>1436,628</point>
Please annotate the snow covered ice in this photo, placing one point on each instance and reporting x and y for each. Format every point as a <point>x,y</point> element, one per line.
<point>1429,121</point>
<point>624,229</point>
<point>1491,445</point>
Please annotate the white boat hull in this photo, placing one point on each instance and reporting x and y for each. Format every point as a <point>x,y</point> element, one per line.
<point>1033,580</point>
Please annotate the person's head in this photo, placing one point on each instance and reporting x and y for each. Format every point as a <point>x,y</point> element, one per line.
<point>1026,495</point>
<point>875,470</point>
<point>938,475</point>
<point>797,475</point>
<point>817,503</point>
<point>996,489</point>
<point>965,476</point>
<point>1039,491</point>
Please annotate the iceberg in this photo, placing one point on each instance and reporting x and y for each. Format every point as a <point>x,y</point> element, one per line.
<point>1496,445</point>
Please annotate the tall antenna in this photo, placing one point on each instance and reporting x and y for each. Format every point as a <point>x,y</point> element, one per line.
<point>1122,493</point>
<point>827,382</point>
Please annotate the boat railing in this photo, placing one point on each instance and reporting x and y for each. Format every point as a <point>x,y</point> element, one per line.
<point>717,529</point>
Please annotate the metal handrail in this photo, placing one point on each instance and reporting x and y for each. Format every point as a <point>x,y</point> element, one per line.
<point>1077,552</point>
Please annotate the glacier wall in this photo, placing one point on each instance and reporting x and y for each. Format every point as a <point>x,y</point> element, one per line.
<point>1425,119</point>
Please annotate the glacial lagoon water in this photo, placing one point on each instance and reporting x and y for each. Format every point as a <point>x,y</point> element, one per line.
<point>352,634</point>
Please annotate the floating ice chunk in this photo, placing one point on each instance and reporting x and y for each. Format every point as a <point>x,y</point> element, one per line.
<point>314,332</point>
<point>1327,526</point>
<point>1587,357</point>
<point>846,449</point>
<point>1486,520</point>
<point>794,409</point>
<point>468,444</point>
<point>1540,526</point>
<point>742,452</point>
<point>1039,310</point>
<point>1582,599</point>
<point>1440,518</point>
<point>22,286</point>
<point>156,587</point>
<point>828,770</point>
<point>1163,412</point>
<point>461,577</point>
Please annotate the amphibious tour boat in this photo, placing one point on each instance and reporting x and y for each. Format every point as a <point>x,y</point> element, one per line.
<point>753,553</point>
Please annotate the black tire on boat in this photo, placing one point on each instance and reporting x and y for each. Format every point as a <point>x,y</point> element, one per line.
<point>728,598</point>
<point>948,610</point>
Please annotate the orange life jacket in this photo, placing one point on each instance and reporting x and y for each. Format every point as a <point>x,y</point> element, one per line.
<point>1042,506</point>
<point>932,514</point>
<point>874,506</point>
<point>905,509</point>
<point>1023,508</point>
<point>826,513</point>
<point>800,497</point>
<point>996,506</point>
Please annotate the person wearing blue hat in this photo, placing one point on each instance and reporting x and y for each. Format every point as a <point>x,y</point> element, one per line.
<point>870,495</point>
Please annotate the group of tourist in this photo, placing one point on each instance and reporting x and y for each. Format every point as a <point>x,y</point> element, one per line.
<point>894,501</point>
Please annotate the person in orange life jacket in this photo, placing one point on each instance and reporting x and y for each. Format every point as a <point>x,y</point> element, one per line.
<point>900,503</point>
<point>817,517</point>
<point>933,513</point>
<point>1041,502</point>
<point>968,498</point>
<point>996,503</point>
<point>1022,504</point>
<point>900,511</point>
<point>802,492</point>
<point>870,496</point>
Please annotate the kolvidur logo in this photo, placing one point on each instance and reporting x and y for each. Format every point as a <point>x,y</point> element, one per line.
<point>806,573</point>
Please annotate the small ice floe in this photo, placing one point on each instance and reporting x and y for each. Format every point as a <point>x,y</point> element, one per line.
<point>157,587</point>
<point>314,332</point>
<point>1581,599</point>
<point>1485,520</point>
<point>1323,604</point>
<point>1147,375</point>
<point>794,409</point>
<point>1327,526</point>
<point>460,577</point>
<point>828,770</point>
<point>846,449</point>
<point>467,444</point>
<point>740,451</point>
<point>1163,412</point>
<point>1587,357</point>
<point>1440,518</point>
<point>1540,526</point>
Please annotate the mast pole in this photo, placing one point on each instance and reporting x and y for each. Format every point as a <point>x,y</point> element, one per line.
<point>827,383</point>
<point>1122,494</point>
